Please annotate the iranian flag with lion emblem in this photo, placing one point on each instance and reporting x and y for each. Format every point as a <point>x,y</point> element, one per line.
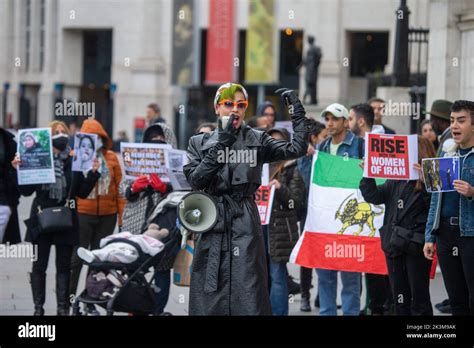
<point>341,230</point>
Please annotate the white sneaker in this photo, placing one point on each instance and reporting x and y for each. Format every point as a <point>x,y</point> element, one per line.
<point>116,278</point>
<point>86,255</point>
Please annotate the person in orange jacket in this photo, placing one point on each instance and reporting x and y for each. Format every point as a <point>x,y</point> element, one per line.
<point>103,208</point>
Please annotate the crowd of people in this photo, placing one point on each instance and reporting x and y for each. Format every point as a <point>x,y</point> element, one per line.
<point>240,267</point>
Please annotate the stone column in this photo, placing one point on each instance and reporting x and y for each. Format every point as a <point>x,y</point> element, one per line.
<point>466,26</point>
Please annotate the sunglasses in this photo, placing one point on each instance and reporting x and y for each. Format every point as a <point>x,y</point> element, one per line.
<point>231,104</point>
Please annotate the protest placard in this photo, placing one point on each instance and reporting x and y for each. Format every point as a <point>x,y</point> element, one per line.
<point>264,199</point>
<point>288,125</point>
<point>85,145</point>
<point>439,173</point>
<point>141,158</point>
<point>36,155</point>
<point>265,174</point>
<point>175,160</point>
<point>391,156</point>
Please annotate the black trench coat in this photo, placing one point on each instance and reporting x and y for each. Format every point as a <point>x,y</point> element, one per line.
<point>229,271</point>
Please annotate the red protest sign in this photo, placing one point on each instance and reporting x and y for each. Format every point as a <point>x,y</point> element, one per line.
<point>264,200</point>
<point>391,156</point>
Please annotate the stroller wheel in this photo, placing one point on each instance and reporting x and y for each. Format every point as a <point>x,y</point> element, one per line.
<point>90,310</point>
<point>76,311</point>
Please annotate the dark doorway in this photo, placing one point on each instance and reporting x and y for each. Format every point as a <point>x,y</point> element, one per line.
<point>97,62</point>
<point>291,51</point>
<point>369,52</point>
<point>28,105</point>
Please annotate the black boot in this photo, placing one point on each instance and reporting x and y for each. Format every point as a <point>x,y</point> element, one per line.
<point>305,304</point>
<point>293,287</point>
<point>62,293</point>
<point>38,288</point>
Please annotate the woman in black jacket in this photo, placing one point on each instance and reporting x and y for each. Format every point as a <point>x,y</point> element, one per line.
<point>229,272</point>
<point>281,233</point>
<point>406,207</point>
<point>51,195</point>
<point>9,194</point>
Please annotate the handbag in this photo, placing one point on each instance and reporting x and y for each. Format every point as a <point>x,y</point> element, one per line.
<point>56,219</point>
<point>407,241</point>
<point>403,239</point>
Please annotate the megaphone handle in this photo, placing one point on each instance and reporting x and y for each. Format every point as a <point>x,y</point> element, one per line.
<point>184,238</point>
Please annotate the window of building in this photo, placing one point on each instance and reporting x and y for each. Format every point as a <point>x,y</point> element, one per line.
<point>369,52</point>
<point>291,50</point>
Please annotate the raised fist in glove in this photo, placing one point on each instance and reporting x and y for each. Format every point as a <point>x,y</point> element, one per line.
<point>140,184</point>
<point>157,184</point>
<point>226,135</point>
<point>290,99</point>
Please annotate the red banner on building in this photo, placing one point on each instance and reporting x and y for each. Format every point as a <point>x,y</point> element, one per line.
<point>221,38</point>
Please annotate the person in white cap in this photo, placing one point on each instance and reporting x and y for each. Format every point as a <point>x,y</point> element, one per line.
<point>341,142</point>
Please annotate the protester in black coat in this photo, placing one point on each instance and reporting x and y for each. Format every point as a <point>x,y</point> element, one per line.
<point>406,205</point>
<point>281,234</point>
<point>68,185</point>
<point>229,273</point>
<point>9,194</point>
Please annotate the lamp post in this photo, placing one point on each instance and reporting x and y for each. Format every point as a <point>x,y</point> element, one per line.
<point>401,70</point>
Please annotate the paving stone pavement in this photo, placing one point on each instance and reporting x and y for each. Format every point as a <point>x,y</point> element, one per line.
<point>15,292</point>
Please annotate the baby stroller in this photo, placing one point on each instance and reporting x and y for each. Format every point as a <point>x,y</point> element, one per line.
<point>135,294</point>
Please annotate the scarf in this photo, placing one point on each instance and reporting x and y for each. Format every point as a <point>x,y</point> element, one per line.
<point>104,180</point>
<point>58,189</point>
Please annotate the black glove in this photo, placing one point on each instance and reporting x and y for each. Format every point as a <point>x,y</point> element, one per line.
<point>226,136</point>
<point>290,99</point>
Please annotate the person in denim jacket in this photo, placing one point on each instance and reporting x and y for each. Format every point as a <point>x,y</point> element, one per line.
<point>451,216</point>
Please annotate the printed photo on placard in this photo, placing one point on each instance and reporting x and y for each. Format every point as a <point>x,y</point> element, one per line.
<point>140,159</point>
<point>36,155</point>
<point>85,145</point>
<point>439,173</point>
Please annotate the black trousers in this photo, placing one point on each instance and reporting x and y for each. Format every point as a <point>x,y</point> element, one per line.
<point>378,290</point>
<point>306,277</point>
<point>410,281</point>
<point>92,229</point>
<point>456,260</point>
<point>63,255</point>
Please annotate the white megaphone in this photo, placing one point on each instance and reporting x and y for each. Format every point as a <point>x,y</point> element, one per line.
<point>197,213</point>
